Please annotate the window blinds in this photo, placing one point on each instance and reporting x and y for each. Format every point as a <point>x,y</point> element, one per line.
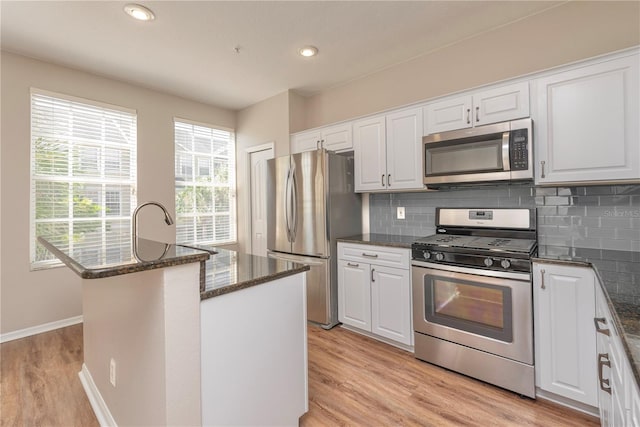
<point>205,184</point>
<point>83,177</point>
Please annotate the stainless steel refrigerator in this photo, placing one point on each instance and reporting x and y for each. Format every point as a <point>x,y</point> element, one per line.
<point>310,203</point>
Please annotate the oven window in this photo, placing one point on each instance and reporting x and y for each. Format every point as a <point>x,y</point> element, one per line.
<point>473,307</point>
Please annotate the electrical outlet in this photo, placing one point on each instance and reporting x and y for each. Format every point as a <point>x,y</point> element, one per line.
<point>400,212</point>
<point>112,372</point>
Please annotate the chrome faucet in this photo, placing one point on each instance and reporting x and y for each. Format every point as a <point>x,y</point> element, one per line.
<point>134,224</point>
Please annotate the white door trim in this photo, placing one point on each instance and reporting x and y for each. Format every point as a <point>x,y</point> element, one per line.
<point>271,145</point>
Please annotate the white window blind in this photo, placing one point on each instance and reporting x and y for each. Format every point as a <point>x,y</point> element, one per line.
<point>205,171</point>
<point>83,178</point>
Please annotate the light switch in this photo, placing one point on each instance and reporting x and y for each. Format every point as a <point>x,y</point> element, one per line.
<point>400,212</point>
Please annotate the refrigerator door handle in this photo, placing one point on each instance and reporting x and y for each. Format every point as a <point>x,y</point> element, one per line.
<point>294,204</point>
<point>287,197</point>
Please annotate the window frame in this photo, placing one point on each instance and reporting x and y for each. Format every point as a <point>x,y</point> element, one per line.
<point>194,166</point>
<point>71,180</point>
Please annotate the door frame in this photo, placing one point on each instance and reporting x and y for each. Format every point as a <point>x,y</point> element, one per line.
<point>271,145</point>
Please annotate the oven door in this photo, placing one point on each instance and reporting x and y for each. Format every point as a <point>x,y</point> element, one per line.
<point>475,308</point>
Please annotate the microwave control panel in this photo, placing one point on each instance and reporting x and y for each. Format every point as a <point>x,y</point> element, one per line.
<point>519,150</point>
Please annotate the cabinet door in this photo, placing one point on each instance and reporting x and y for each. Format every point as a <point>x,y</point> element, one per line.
<point>306,141</point>
<point>564,308</point>
<point>587,127</point>
<point>602,351</point>
<point>369,154</point>
<point>337,137</point>
<point>501,104</point>
<point>354,294</point>
<point>449,114</point>
<point>404,150</point>
<point>391,304</point>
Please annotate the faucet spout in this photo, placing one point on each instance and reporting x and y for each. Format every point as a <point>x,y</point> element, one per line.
<point>134,224</point>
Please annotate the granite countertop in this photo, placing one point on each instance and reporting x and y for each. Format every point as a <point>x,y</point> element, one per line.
<point>98,262</point>
<point>390,240</point>
<point>229,271</point>
<point>619,274</point>
<point>221,271</point>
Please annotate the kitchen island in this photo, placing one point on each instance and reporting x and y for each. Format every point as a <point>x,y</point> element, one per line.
<point>192,336</point>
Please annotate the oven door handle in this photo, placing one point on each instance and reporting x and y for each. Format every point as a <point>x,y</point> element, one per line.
<point>525,277</point>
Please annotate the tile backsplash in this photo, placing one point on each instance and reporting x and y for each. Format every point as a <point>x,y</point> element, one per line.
<point>600,217</point>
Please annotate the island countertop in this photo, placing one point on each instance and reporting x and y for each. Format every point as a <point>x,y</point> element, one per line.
<point>98,262</point>
<point>221,271</point>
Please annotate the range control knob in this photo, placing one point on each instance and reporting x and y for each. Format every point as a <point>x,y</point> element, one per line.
<point>426,254</point>
<point>488,262</point>
<point>505,263</point>
<point>439,256</point>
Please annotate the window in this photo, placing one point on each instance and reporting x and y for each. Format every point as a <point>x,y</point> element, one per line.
<point>83,176</point>
<point>205,164</point>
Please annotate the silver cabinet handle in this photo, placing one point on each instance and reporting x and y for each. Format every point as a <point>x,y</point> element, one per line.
<point>597,321</point>
<point>372,270</point>
<point>322,143</point>
<point>353,265</point>
<point>468,116</point>
<point>603,360</point>
<point>389,180</point>
<point>542,285</point>
<point>317,145</point>
<point>477,114</point>
<point>382,180</point>
<point>370,255</point>
<point>542,169</point>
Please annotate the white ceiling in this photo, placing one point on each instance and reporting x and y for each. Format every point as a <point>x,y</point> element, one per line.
<point>188,50</point>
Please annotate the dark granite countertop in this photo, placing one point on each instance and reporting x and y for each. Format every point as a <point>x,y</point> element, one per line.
<point>221,271</point>
<point>390,240</point>
<point>98,262</point>
<point>619,274</point>
<point>229,271</point>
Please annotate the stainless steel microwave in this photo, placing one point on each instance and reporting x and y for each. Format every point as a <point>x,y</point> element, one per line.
<point>496,152</point>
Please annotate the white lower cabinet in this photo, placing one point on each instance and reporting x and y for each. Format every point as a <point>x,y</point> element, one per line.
<point>618,391</point>
<point>579,353</point>
<point>565,341</point>
<point>374,290</point>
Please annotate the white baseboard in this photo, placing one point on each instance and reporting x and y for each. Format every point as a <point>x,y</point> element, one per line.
<point>95,398</point>
<point>34,330</point>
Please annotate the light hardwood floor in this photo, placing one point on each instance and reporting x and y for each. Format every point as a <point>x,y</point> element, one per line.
<point>353,381</point>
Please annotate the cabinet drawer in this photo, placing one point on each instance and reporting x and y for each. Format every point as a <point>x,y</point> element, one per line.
<point>379,255</point>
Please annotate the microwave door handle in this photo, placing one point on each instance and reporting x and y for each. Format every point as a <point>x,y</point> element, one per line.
<point>506,164</point>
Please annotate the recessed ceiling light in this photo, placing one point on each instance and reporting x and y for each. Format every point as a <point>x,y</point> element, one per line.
<point>308,51</point>
<point>139,12</point>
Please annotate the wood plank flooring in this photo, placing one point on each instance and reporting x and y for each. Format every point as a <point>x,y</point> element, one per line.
<point>353,381</point>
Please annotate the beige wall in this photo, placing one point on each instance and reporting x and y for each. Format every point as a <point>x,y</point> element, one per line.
<point>266,121</point>
<point>564,34</point>
<point>38,297</point>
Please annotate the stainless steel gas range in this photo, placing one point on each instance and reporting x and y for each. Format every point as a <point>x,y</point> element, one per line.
<point>472,295</point>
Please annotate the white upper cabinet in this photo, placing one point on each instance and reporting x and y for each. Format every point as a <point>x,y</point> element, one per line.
<point>334,138</point>
<point>476,109</point>
<point>587,124</point>
<point>369,152</point>
<point>388,152</point>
